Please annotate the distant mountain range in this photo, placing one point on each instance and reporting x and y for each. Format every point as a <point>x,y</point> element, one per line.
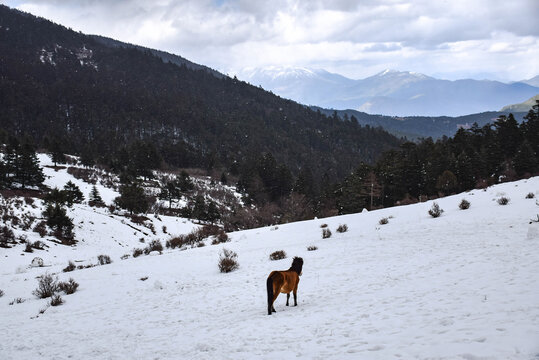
<point>395,93</point>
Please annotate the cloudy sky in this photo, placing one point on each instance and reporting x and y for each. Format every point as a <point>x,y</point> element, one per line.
<point>450,39</point>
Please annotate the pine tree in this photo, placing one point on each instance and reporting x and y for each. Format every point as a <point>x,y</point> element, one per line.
<point>55,197</point>
<point>224,179</point>
<point>525,160</point>
<point>3,174</point>
<point>184,182</point>
<point>213,213</point>
<point>199,210</point>
<point>73,195</point>
<point>132,198</point>
<point>170,192</point>
<point>29,173</point>
<point>56,153</point>
<point>59,222</point>
<point>447,182</point>
<point>95,198</point>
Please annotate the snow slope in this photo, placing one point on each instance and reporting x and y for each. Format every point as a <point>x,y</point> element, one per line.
<point>461,286</point>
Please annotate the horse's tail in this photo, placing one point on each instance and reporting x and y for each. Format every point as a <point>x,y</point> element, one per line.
<point>269,286</point>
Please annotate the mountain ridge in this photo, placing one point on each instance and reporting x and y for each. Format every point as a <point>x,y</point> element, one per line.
<point>395,93</point>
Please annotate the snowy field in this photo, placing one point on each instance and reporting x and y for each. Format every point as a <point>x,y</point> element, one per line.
<point>461,286</point>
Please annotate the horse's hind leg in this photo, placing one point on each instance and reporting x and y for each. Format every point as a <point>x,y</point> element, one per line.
<point>287,298</point>
<point>273,302</point>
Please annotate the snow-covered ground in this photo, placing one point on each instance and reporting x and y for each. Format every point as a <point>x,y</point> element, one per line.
<point>461,286</point>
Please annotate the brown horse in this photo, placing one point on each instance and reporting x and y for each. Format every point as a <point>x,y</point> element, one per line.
<point>284,282</point>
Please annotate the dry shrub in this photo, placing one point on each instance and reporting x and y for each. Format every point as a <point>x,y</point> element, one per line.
<point>137,252</point>
<point>277,255</point>
<point>312,248</point>
<point>326,233</point>
<point>198,235</point>
<point>530,195</point>
<point>154,245</point>
<point>28,248</point>
<point>228,261</point>
<point>68,287</point>
<point>104,259</point>
<point>222,237</point>
<point>38,245</point>
<point>175,242</point>
<point>56,300</point>
<point>503,200</point>
<point>47,286</point>
<point>41,228</point>
<point>87,175</point>
<point>324,226</point>
<point>70,267</point>
<point>138,219</point>
<point>464,204</point>
<point>435,210</point>
<point>383,221</point>
<point>16,301</point>
<point>342,228</point>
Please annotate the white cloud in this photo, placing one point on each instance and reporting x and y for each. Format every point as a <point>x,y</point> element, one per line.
<point>350,37</point>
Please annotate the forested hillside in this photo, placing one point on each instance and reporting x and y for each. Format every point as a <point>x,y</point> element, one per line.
<point>110,104</point>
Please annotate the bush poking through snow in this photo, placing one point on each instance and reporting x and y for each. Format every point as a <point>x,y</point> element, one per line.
<point>154,245</point>
<point>530,195</point>
<point>47,286</point>
<point>56,300</point>
<point>137,252</point>
<point>326,233</point>
<point>383,221</point>
<point>28,248</point>
<point>435,210</point>
<point>104,259</point>
<point>324,226</point>
<point>68,287</point>
<point>70,267</point>
<point>220,238</point>
<point>503,200</point>
<point>464,204</point>
<point>38,245</point>
<point>1,293</point>
<point>277,255</point>
<point>41,228</point>
<point>312,248</point>
<point>228,261</point>
<point>16,301</point>
<point>342,228</point>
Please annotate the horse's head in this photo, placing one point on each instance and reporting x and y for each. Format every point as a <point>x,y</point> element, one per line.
<point>297,265</point>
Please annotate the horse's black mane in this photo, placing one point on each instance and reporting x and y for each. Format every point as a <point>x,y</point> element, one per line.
<point>297,265</point>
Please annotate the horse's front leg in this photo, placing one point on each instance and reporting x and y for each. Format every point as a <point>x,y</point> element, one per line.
<point>287,298</point>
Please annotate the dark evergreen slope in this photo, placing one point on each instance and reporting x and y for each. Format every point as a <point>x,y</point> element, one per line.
<point>165,56</point>
<point>102,101</point>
